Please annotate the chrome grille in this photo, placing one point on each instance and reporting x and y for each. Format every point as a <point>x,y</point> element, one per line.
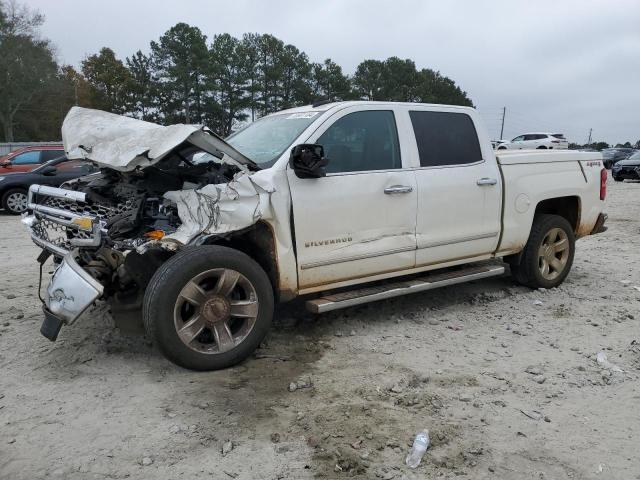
<point>102,212</point>
<point>54,211</point>
<point>57,234</point>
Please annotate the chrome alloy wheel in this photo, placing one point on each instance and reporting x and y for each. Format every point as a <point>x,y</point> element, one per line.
<point>17,202</point>
<point>553,254</point>
<point>215,311</point>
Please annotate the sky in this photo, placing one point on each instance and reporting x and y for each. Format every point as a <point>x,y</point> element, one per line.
<point>557,66</point>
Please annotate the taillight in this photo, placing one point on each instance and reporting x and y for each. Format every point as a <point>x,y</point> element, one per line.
<point>603,184</point>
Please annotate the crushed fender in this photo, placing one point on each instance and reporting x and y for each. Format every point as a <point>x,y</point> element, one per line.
<point>223,208</point>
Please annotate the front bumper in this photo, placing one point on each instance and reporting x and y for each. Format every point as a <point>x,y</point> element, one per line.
<point>626,173</point>
<point>70,292</point>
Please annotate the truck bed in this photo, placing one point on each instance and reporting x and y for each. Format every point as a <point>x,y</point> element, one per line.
<point>567,174</point>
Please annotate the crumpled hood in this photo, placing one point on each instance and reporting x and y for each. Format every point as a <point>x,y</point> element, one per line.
<point>125,143</point>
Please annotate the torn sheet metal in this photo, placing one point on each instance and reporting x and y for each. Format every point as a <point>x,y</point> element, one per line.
<point>223,208</point>
<point>124,143</point>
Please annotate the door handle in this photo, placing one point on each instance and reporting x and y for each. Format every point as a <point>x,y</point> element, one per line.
<point>487,181</point>
<point>393,189</point>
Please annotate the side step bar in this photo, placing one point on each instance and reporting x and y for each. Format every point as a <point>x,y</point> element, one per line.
<point>396,289</point>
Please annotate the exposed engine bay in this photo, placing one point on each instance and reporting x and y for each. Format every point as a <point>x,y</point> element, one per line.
<point>134,216</point>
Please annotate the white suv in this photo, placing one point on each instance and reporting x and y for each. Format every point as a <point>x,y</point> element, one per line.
<point>530,141</point>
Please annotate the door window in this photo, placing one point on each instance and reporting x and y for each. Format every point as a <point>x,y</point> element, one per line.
<point>26,158</point>
<point>518,139</point>
<point>75,166</point>
<point>47,155</point>
<point>445,138</point>
<point>362,141</point>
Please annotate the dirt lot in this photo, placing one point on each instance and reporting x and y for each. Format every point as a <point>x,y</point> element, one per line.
<point>505,379</point>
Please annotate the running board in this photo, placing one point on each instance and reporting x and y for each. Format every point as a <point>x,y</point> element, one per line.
<point>396,289</point>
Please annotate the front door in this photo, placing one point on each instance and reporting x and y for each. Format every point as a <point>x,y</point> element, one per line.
<point>360,219</point>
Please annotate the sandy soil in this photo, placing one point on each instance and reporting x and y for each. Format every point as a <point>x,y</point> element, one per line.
<point>505,379</point>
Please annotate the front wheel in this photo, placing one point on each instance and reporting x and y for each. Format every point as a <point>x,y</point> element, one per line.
<point>548,254</point>
<point>617,179</point>
<point>208,307</point>
<point>14,201</point>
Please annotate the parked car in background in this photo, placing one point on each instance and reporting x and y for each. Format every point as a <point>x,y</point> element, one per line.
<point>611,156</point>
<point>28,158</point>
<point>530,141</point>
<point>14,187</point>
<point>628,168</point>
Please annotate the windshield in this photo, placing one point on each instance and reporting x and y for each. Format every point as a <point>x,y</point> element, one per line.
<point>265,140</point>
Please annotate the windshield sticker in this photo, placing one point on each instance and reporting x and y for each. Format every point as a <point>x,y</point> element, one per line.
<point>302,115</point>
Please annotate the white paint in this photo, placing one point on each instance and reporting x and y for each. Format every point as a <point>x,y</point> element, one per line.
<point>447,217</point>
<point>125,143</point>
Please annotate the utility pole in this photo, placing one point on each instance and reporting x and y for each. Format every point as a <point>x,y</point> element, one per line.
<point>589,141</point>
<point>504,111</point>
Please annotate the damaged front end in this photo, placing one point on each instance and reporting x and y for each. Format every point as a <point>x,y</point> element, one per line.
<point>159,189</point>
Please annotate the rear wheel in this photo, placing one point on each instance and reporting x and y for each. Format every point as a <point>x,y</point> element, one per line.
<point>14,201</point>
<point>542,147</point>
<point>208,307</point>
<point>548,254</point>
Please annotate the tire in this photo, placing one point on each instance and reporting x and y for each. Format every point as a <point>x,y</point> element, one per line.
<point>502,148</point>
<point>14,201</point>
<point>541,147</point>
<point>546,230</point>
<point>197,291</point>
<point>617,179</point>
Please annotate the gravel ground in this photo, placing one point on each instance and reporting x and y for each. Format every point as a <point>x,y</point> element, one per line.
<point>505,379</point>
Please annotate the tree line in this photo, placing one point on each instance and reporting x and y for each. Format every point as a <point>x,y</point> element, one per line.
<point>602,145</point>
<point>185,77</point>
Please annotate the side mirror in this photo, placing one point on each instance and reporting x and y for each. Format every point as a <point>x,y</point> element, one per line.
<point>307,161</point>
<point>48,171</point>
<point>6,164</point>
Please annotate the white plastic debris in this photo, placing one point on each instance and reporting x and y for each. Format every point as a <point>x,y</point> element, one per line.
<point>420,445</point>
<point>602,360</point>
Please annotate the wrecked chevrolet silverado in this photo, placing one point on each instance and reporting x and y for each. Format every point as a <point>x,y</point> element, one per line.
<point>198,236</point>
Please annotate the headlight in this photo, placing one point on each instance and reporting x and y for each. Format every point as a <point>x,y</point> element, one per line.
<point>1,178</point>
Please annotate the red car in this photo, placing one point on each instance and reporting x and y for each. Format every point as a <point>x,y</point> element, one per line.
<point>28,158</point>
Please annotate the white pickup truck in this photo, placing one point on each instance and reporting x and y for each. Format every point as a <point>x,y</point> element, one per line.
<point>343,203</point>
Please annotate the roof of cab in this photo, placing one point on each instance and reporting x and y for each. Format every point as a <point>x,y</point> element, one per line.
<point>350,103</point>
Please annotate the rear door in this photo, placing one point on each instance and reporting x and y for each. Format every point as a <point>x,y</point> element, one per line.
<point>530,142</point>
<point>360,219</point>
<point>459,188</point>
